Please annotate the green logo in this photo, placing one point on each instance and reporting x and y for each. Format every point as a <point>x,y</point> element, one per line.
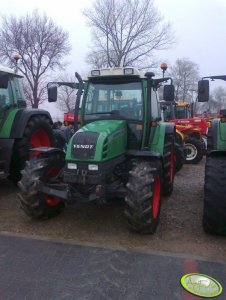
<point>201,285</point>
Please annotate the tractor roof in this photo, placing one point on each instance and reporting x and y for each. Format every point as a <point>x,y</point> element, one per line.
<point>222,77</point>
<point>119,71</point>
<point>8,70</point>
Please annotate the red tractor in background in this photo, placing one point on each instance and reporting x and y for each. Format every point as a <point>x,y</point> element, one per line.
<point>193,130</point>
<point>184,116</point>
<point>193,135</point>
<point>69,117</point>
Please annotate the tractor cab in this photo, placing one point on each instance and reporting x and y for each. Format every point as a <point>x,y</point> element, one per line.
<point>11,93</point>
<point>176,110</point>
<point>183,110</point>
<point>112,95</point>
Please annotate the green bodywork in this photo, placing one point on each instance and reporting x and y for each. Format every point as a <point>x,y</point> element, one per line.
<point>158,135</point>
<point>7,123</point>
<point>9,99</point>
<point>115,135</point>
<point>221,133</point>
<point>112,135</point>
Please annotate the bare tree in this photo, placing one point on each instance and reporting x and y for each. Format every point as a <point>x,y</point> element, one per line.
<point>66,95</point>
<point>126,32</point>
<point>185,74</point>
<point>42,46</point>
<point>218,99</point>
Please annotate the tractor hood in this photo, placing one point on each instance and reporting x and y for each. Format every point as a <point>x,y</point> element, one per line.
<point>98,141</point>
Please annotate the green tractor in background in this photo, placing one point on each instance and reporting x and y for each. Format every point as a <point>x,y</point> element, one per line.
<point>214,211</point>
<point>20,128</point>
<point>122,150</point>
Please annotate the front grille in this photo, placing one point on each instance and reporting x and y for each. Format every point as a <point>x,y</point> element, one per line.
<point>84,145</point>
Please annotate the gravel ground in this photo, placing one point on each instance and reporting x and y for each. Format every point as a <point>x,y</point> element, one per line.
<point>179,231</point>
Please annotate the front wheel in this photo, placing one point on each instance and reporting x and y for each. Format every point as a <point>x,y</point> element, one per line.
<point>143,198</point>
<point>214,210</point>
<point>169,166</point>
<point>193,150</point>
<point>35,204</point>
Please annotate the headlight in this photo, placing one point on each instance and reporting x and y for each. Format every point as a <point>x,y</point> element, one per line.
<point>93,167</point>
<point>72,166</point>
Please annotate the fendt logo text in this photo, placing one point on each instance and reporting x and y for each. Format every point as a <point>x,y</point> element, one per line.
<point>77,146</point>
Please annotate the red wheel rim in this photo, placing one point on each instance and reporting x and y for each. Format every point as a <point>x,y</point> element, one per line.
<point>52,200</point>
<point>40,138</point>
<point>156,197</point>
<point>172,161</point>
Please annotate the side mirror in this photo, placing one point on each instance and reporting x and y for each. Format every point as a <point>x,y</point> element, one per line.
<point>168,93</point>
<point>52,93</point>
<point>203,91</point>
<point>4,80</point>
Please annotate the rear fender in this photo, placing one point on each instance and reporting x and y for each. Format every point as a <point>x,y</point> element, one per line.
<point>158,136</point>
<point>22,118</point>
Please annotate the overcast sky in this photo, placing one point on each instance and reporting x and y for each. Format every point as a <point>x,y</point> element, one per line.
<point>199,26</point>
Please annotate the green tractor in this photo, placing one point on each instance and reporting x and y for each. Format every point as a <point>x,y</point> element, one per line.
<point>20,128</point>
<point>121,150</point>
<point>214,211</point>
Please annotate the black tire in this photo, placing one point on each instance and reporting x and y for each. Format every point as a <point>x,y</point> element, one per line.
<point>38,132</point>
<point>209,140</point>
<point>179,157</point>
<point>193,151</point>
<point>35,204</point>
<point>214,210</point>
<point>143,198</point>
<point>169,165</point>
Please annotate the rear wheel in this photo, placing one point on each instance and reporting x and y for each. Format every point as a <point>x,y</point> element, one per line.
<point>38,132</point>
<point>193,150</point>
<point>214,211</point>
<point>143,198</point>
<point>36,204</point>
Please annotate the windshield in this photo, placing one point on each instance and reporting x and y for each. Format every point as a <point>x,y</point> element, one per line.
<point>12,94</point>
<point>121,100</point>
<point>6,97</point>
<point>182,112</point>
